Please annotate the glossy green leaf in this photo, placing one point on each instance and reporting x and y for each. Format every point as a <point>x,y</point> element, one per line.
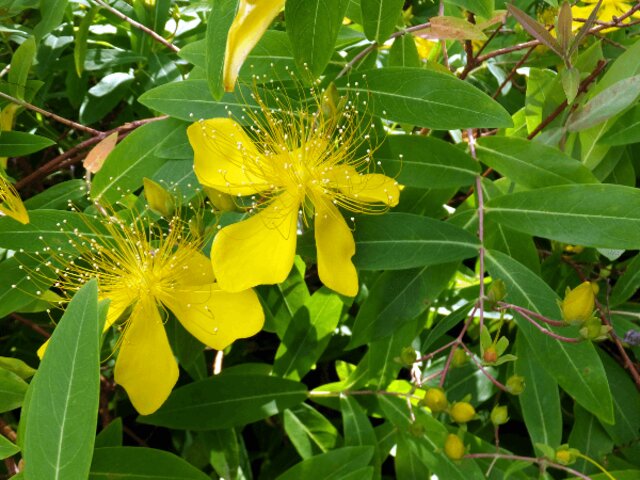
<point>406,463</point>
<point>17,366</point>
<point>20,65</point>
<point>58,196</point>
<point>310,431</point>
<point>111,435</point>
<point>398,241</point>
<point>137,463</point>
<point>63,399</point>
<point>191,100</point>
<point>531,164</point>
<point>605,216</point>
<point>308,334</point>
<point>609,102</point>
<point>396,298</point>
<point>540,400</point>
<point>133,159</point>
<point>484,8</point>
<point>48,228</point>
<point>225,401</point>
<point>627,284</point>
<point>588,436</point>
<point>18,144</point>
<point>404,53</point>
<point>52,12</point>
<point>624,130</point>
<point>445,166</point>
<point>12,390</point>
<point>575,366</point>
<point>379,18</point>
<point>7,449</point>
<point>425,98</point>
<point>82,35</point>
<point>334,465</point>
<point>21,283</point>
<point>220,19</point>
<point>313,28</point>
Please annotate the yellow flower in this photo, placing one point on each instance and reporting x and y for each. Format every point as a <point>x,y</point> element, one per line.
<point>251,21</point>
<point>144,270</point>
<point>424,46</point>
<point>608,10</point>
<point>301,161</point>
<point>578,304</point>
<point>10,203</point>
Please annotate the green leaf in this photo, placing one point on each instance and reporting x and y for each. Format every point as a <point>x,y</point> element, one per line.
<point>627,284</point>
<point>133,159</point>
<point>536,29</point>
<point>575,366</point>
<point>406,463</point>
<point>82,34</point>
<point>540,400</point>
<point>396,298</point>
<point>626,403</point>
<point>191,100</point>
<point>357,427</point>
<point>225,401</point>
<point>48,228</point>
<point>218,24</point>
<point>605,216</point>
<point>445,166</point>
<point>52,12</point>
<point>12,390</point>
<point>309,431</point>
<point>7,449</point>
<point>308,334</point>
<point>606,104</point>
<point>588,436</point>
<point>484,8</point>
<point>19,144</point>
<point>625,130</point>
<point>58,196</point>
<point>111,435</point>
<point>334,465</point>
<point>313,27</point>
<point>20,65</point>
<point>137,463</point>
<point>63,398</point>
<point>22,278</point>
<point>425,98</point>
<point>404,53</point>
<point>531,164</point>
<point>398,241</point>
<point>379,18</point>
<point>17,366</point>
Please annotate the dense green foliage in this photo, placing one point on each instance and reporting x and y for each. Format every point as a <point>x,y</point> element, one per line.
<point>516,136</point>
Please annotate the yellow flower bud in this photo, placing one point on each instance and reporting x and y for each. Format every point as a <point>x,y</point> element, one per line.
<point>453,447</point>
<point>566,455</point>
<point>578,304</point>
<point>499,415</point>
<point>435,399</point>
<point>408,356</point>
<point>459,358</point>
<point>462,412</point>
<point>515,384</point>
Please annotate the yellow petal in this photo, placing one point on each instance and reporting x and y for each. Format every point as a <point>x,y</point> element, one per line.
<point>370,188</point>
<point>10,203</point>
<point>224,157</point>
<point>194,269</point>
<point>259,250</point>
<point>215,317</point>
<point>145,366</point>
<point>250,23</point>
<point>335,245</point>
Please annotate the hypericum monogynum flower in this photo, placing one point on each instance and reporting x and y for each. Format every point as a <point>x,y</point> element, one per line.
<point>144,270</point>
<point>298,163</point>
<point>10,203</point>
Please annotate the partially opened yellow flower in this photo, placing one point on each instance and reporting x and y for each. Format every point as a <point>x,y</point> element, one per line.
<point>10,203</point>
<point>608,10</point>
<point>143,270</point>
<point>303,163</point>
<point>251,21</point>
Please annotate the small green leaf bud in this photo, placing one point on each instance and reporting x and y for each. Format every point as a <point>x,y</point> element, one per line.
<point>565,455</point>
<point>515,384</point>
<point>593,329</point>
<point>499,415</point>
<point>497,292</point>
<point>435,399</point>
<point>453,447</point>
<point>408,356</point>
<point>462,412</point>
